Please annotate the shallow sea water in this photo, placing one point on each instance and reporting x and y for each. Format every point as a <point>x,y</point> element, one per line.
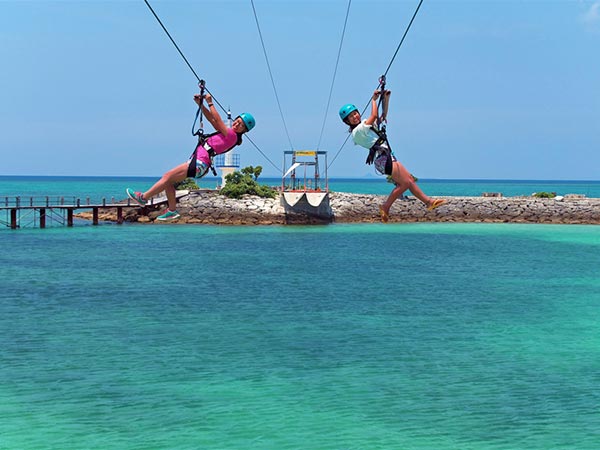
<point>360,336</point>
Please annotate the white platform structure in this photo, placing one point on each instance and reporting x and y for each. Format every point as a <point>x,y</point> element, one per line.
<point>304,190</point>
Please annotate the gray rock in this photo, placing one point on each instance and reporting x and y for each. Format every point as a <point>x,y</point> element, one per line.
<point>210,207</point>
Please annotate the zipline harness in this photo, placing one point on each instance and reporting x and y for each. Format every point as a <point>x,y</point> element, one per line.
<point>382,145</point>
<point>203,138</point>
<point>200,133</point>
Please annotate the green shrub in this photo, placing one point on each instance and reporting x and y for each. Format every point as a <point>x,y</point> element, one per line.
<point>389,179</point>
<point>545,194</point>
<point>188,184</point>
<point>238,184</point>
<point>252,171</point>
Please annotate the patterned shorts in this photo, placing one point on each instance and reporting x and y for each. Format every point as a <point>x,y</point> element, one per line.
<point>384,163</point>
<point>197,168</point>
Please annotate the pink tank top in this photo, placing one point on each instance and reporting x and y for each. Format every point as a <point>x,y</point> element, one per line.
<point>220,144</point>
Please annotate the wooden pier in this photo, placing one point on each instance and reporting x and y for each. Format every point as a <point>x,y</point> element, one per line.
<point>24,211</point>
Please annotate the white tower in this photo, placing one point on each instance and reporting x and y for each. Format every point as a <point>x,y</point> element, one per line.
<point>230,161</point>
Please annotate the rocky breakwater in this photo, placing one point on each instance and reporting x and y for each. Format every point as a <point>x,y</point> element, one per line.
<point>209,207</point>
<point>570,209</point>
<point>204,207</point>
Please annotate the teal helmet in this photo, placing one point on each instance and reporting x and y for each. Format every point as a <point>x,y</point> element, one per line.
<point>346,110</point>
<point>248,120</point>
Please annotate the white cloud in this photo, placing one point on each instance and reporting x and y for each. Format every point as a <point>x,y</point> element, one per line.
<point>592,15</point>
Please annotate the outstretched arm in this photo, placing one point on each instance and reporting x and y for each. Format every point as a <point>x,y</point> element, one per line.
<point>374,109</point>
<point>211,113</point>
<point>385,105</point>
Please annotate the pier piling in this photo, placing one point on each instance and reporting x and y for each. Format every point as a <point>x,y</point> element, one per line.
<point>13,219</point>
<point>42,217</point>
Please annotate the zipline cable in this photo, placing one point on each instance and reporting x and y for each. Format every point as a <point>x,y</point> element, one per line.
<point>334,74</point>
<point>338,152</point>
<point>271,74</point>
<point>198,78</point>
<point>402,40</point>
<point>180,52</point>
<point>279,169</point>
<point>172,40</point>
<point>384,75</point>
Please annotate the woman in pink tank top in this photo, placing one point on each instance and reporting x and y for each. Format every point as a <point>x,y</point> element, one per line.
<point>223,140</point>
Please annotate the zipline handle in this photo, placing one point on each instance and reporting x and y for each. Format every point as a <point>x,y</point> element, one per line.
<point>381,105</point>
<point>200,131</point>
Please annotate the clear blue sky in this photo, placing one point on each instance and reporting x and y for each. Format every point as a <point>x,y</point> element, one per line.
<point>481,89</point>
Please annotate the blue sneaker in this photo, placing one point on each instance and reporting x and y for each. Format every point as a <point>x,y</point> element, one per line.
<point>168,216</point>
<point>137,197</point>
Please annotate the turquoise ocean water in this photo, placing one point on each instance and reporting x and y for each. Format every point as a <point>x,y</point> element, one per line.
<point>354,336</point>
<point>97,188</point>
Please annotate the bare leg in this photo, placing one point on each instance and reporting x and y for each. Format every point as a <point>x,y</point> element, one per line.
<point>394,195</point>
<point>404,181</point>
<point>167,184</point>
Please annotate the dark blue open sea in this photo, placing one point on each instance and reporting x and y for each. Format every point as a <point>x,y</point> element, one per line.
<point>347,336</point>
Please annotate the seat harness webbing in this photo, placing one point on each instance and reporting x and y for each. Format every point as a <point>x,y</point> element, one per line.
<point>381,132</point>
<point>200,131</point>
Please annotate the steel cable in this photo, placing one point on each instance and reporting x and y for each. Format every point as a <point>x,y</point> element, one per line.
<point>385,73</point>
<point>334,74</point>
<point>271,74</point>
<point>198,78</point>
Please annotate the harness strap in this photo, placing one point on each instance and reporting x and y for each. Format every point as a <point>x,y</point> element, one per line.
<point>202,142</point>
<point>211,154</point>
<point>382,136</point>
